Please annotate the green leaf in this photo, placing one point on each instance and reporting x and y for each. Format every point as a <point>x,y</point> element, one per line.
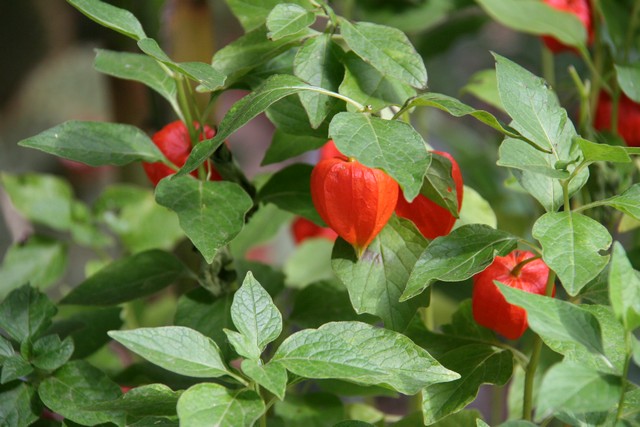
<point>484,86</point>
<point>112,17</point>
<point>387,49</point>
<point>535,17</point>
<point>408,17</point>
<point>376,280</point>
<point>146,400</point>
<point>137,67</point>
<point>476,210</point>
<point>49,353</point>
<point>212,404</point>
<point>255,315</point>
<point>253,13</point>
<point>262,227</point>
<point>353,423</point>
<point>25,313</point>
<point>155,422</point>
<point>439,185</point>
<point>571,245</point>
<point>13,368</point>
<point>363,354</point>
<point>593,152</point>
<point>320,303</point>
<point>310,410</point>
<point>88,329</point>
<point>535,109</point>
<point>548,191</point>
<point>128,278</point>
<point>463,325</point>
<point>17,405</point>
<point>390,145</point>
<point>365,84</point>
<point>208,77</point>
<point>628,202</point>
<point>6,349</point>
<point>456,108</point>
<point>628,78</point>
<point>252,50</point>
<point>310,262</point>
<point>287,19</point>
<point>42,199</point>
<point>272,90</point>
<point>624,288</point>
<point>39,261</point>
<point>96,143</point>
<point>138,220</point>
<point>175,348</point>
<point>457,256</point>
<point>477,364</point>
<point>290,190</point>
<point>572,387</point>
<point>271,376</point>
<point>207,314</point>
<point>285,146</point>
<point>318,63</point>
<point>557,321</point>
<point>517,154</point>
<point>74,387</point>
<point>211,213</point>
<point>288,115</point>
<point>613,334</point>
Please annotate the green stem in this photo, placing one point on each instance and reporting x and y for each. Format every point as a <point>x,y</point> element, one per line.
<point>185,107</point>
<point>548,66</point>
<point>360,107</point>
<point>625,373</point>
<point>497,404</point>
<point>532,246</point>
<point>631,30</point>
<point>532,366</point>
<point>527,405</point>
<point>583,93</point>
<point>238,378</point>
<point>565,193</point>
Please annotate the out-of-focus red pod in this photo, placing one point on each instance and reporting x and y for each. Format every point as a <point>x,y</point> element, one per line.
<point>491,309</point>
<point>174,142</point>
<point>431,219</point>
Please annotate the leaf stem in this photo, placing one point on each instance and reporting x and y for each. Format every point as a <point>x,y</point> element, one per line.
<point>625,373</point>
<point>548,66</point>
<point>532,366</point>
<point>186,109</point>
<point>531,246</point>
<point>590,205</point>
<point>238,378</point>
<point>635,13</point>
<point>565,193</point>
<point>360,107</point>
<point>583,93</point>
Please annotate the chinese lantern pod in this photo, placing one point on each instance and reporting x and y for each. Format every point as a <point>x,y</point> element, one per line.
<point>174,142</point>
<point>491,309</point>
<point>432,219</point>
<point>329,151</point>
<point>354,200</point>
<point>303,229</point>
